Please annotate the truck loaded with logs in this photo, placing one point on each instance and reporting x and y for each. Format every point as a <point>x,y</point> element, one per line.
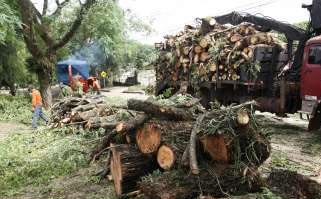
<point>245,60</point>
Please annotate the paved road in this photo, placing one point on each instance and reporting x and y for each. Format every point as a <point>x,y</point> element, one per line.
<point>117,91</point>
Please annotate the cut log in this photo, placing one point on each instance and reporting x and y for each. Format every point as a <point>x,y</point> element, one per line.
<point>127,126</point>
<point>218,147</point>
<point>163,111</point>
<point>174,134</point>
<point>186,50</point>
<point>148,138</point>
<point>84,116</point>
<point>128,165</point>
<point>213,67</point>
<point>204,42</point>
<point>175,140</point>
<point>198,49</point>
<point>204,56</point>
<point>236,37</point>
<point>243,118</point>
<point>107,122</point>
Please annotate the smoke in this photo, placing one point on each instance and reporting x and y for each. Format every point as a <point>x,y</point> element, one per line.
<point>92,52</point>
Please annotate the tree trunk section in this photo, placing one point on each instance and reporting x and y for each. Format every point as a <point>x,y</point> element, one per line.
<point>45,89</point>
<point>128,165</point>
<point>157,110</point>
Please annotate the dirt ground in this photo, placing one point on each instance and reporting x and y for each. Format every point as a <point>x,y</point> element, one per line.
<point>293,148</point>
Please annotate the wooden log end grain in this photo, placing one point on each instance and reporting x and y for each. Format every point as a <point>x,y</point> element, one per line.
<point>166,157</point>
<point>148,138</point>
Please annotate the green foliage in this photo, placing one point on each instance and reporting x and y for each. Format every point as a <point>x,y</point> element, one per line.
<point>166,94</point>
<point>267,194</point>
<point>139,55</point>
<point>150,90</point>
<point>36,158</point>
<point>8,21</point>
<point>17,108</point>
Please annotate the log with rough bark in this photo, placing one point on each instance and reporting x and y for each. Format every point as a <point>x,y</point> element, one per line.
<point>106,122</point>
<point>154,133</point>
<point>127,166</point>
<point>156,110</point>
<point>127,126</point>
<point>214,181</point>
<point>174,139</point>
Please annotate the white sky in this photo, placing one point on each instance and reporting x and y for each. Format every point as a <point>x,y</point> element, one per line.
<point>170,16</point>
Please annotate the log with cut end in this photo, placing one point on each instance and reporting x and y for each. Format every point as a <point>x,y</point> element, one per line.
<point>174,142</point>
<point>218,147</point>
<point>204,42</point>
<point>126,126</point>
<point>198,49</point>
<point>243,117</point>
<point>204,56</point>
<point>154,133</point>
<point>127,166</point>
<point>235,38</point>
<point>158,111</point>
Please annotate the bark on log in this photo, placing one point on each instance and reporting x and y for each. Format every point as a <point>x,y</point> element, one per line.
<point>128,165</point>
<point>174,138</point>
<point>218,147</point>
<point>107,122</point>
<point>127,126</point>
<point>156,110</point>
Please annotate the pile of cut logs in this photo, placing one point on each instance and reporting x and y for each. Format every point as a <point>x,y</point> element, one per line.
<point>214,53</point>
<point>173,148</point>
<point>89,112</point>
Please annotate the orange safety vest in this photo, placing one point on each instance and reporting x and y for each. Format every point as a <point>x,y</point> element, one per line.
<point>36,98</point>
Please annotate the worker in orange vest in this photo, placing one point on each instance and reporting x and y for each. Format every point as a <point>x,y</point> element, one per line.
<point>36,107</point>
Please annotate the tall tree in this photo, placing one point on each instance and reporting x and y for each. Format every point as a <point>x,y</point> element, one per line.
<point>40,42</point>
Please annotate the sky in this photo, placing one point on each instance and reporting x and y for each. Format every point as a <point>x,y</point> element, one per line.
<point>170,16</point>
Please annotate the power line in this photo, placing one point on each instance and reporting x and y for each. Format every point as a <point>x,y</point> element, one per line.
<point>258,6</point>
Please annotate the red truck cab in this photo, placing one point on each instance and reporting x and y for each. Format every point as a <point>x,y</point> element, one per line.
<point>311,75</point>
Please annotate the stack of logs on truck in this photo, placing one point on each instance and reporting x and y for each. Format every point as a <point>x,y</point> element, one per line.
<point>225,63</point>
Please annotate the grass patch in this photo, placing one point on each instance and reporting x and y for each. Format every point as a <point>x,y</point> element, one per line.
<point>15,108</point>
<point>37,158</point>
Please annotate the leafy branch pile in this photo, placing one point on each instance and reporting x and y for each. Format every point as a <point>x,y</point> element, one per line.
<point>16,108</point>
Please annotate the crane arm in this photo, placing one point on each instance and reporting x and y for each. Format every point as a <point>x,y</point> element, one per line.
<point>290,31</point>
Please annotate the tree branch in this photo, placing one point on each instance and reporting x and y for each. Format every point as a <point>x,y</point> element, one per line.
<point>45,7</point>
<point>26,10</point>
<point>60,6</point>
<point>74,27</point>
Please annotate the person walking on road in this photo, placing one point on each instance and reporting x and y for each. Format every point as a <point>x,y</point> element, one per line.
<point>36,107</point>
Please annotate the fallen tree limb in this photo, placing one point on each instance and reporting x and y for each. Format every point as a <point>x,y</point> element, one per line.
<point>157,111</point>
